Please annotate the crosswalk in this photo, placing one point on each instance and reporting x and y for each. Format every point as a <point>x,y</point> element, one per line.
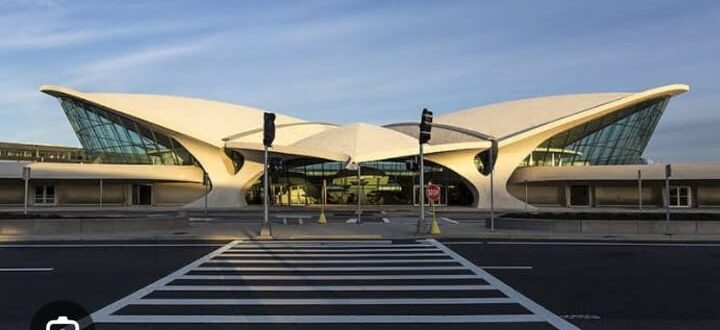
<point>372,284</point>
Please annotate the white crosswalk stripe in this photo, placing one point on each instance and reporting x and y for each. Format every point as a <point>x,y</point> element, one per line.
<point>325,282</point>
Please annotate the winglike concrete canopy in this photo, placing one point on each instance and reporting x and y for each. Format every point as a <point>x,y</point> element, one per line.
<point>203,120</point>
<point>362,142</point>
<point>507,119</point>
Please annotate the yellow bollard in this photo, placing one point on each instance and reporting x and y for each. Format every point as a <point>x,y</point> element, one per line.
<point>322,220</point>
<point>434,227</point>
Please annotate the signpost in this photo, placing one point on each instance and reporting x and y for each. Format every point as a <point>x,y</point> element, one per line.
<point>433,195</point>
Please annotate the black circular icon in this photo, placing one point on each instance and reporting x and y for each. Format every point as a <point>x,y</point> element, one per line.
<point>61,315</point>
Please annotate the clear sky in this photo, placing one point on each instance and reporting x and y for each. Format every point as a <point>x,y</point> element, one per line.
<point>371,61</point>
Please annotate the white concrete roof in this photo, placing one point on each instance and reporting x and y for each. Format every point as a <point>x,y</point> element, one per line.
<point>204,120</point>
<point>508,118</point>
<point>361,142</point>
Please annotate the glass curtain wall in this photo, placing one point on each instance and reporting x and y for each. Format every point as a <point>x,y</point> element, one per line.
<point>389,182</point>
<point>614,139</point>
<point>110,138</point>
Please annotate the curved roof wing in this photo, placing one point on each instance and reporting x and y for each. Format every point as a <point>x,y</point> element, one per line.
<point>204,120</point>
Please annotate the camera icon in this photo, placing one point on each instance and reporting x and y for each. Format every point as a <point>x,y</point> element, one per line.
<point>62,323</point>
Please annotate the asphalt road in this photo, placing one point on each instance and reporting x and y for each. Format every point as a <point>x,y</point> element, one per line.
<point>593,286</point>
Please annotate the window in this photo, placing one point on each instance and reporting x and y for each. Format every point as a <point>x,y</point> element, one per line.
<point>110,138</point>
<point>579,195</point>
<point>44,194</point>
<point>614,139</point>
<point>680,196</point>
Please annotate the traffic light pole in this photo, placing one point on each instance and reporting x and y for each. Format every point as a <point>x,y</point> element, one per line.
<point>268,138</point>
<point>265,188</point>
<point>421,222</point>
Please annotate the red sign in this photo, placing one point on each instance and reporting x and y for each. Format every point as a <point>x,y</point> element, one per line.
<point>433,192</point>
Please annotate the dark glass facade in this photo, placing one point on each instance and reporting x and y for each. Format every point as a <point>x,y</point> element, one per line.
<point>388,182</point>
<point>110,138</point>
<point>614,139</point>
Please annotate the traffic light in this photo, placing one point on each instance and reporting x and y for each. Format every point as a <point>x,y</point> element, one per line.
<point>269,129</point>
<point>488,158</point>
<point>425,126</point>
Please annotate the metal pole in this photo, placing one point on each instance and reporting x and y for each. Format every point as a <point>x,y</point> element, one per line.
<point>324,195</point>
<point>640,197</point>
<point>265,187</point>
<point>421,222</point>
<point>101,192</point>
<point>492,192</point>
<point>359,195</point>
<point>526,194</point>
<point>207,191</point>
<point>26,176</point>
<point>667,203</point>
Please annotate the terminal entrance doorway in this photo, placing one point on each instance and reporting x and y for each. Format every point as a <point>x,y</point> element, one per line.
<point>387,182</point>
<point>142,194</point>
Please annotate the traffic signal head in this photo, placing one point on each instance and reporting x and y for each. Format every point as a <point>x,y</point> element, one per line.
<point>268,129</point>
<point>425,126</point>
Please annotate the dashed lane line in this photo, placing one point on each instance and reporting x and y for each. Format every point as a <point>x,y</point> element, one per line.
<point>46,269</point>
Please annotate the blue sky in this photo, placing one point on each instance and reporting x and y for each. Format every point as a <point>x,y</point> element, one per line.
<point>371,61</point>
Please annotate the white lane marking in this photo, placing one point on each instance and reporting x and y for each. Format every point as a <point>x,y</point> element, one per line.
<point>678,244</point>
<point>386,220</point>
<point>329,245</point>
<point>324,243</point>
<point>323,287</point>
<point>532,306</point>
<point>3,246</point>
<point>335,255</point>
<point>507,267</point>
<point>324,269</point>
<point>337,261</point>
<point>581,317</point>
<point>106,311</point>
<point>46,269</point>
<point>450,220</point>
<point>327,277</point>
<point>332,251</point>
<point>323,301</point>
<point>202,319</point>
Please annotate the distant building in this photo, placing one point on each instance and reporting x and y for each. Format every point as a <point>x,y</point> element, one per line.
<point>570,150</point>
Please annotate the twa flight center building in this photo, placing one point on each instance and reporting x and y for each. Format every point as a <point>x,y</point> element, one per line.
<point>582,150</point>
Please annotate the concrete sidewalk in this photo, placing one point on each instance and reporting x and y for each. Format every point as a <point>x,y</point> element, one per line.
<point>404,228</point>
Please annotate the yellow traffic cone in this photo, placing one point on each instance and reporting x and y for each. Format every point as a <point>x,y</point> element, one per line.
<point>434,228</point>
<point>322,220</point>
